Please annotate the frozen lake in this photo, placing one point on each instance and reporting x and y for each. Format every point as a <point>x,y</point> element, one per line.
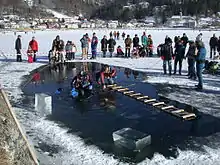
<point>45,38</point>
<point>57,144</point>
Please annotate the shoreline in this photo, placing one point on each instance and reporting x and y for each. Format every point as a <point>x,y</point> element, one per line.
<point>14,145</point>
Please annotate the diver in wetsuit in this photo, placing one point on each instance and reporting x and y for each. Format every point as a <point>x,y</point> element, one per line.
<point>106,76</point>
<point>82,84</point>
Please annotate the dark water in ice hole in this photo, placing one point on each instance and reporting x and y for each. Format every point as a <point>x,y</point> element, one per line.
<point>95,120</point>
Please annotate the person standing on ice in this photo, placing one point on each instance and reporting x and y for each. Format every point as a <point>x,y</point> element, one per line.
<point>135,41</point>
<point>104,45</point>
<point>179,56</point>
<point>123,35</point>
<point>144,41</point>
<point>118,35</point>
<point>115,35</point>
<point>128,43</point>
<point>58,46</point>
<point>18,48</point>
<point>200,63</point>
<point>111,46</point>
<point>185,40</point>
<point>68,49</point>
<point>110,34</point>
<point>218,47</point>
<point>166,51</point>
<point>34,46</point>
<point>94,43</point>
<point>88,40</point>
<point>213,43</point>
<point>84,45</point>
<point>150,46</point>
<point>191,56</point>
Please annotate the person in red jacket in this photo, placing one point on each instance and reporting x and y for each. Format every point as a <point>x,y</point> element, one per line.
<point>106,76</point>
<point>34,46</point>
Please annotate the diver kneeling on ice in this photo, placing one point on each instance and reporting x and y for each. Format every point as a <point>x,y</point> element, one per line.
<point>106,76</point>
<point>81,85</point>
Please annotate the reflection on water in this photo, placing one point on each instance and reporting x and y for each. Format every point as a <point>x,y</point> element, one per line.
<point>106,112</point>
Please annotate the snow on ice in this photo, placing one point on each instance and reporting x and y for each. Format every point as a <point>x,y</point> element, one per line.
<point>72,148</point>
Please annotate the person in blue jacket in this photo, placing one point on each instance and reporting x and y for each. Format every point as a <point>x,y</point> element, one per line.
<point>200,63</point>
<point>94,43</point>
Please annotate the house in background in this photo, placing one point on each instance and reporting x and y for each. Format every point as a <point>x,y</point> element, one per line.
<point>112,24</point>
<point>181,21</point>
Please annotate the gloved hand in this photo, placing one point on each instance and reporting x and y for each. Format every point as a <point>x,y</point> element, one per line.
<point>162,57</point>
<point>173,57</point>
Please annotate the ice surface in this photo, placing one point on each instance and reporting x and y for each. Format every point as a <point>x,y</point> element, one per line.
<point>43,103</point>
<point>131,139</point>
<point>73,150</point>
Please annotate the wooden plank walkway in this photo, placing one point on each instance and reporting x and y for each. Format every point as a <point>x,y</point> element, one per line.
<point>170,109</point>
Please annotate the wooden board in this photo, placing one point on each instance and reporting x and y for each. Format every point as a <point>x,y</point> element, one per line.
<point>142,97</point>
<point>180,113</point>
<point>149,100</point>
<point>158,104</point>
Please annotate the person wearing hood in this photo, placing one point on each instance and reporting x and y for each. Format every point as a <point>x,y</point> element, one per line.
<point>200,63</point>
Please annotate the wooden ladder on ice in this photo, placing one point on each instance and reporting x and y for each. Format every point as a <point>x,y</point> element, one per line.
<point>170,109</point>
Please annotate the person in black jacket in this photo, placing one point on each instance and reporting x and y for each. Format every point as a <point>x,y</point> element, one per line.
<point>104,44</point>
<point>58,46</point>
<point>179,56</point>
<point>185,41</point>
<point>18,48</point>
<point>111,45</point>
<point>191,55</point>
<point>213,45</point>
<point>166,52</point>
<point>218,48</point>
<point>135,41</point>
